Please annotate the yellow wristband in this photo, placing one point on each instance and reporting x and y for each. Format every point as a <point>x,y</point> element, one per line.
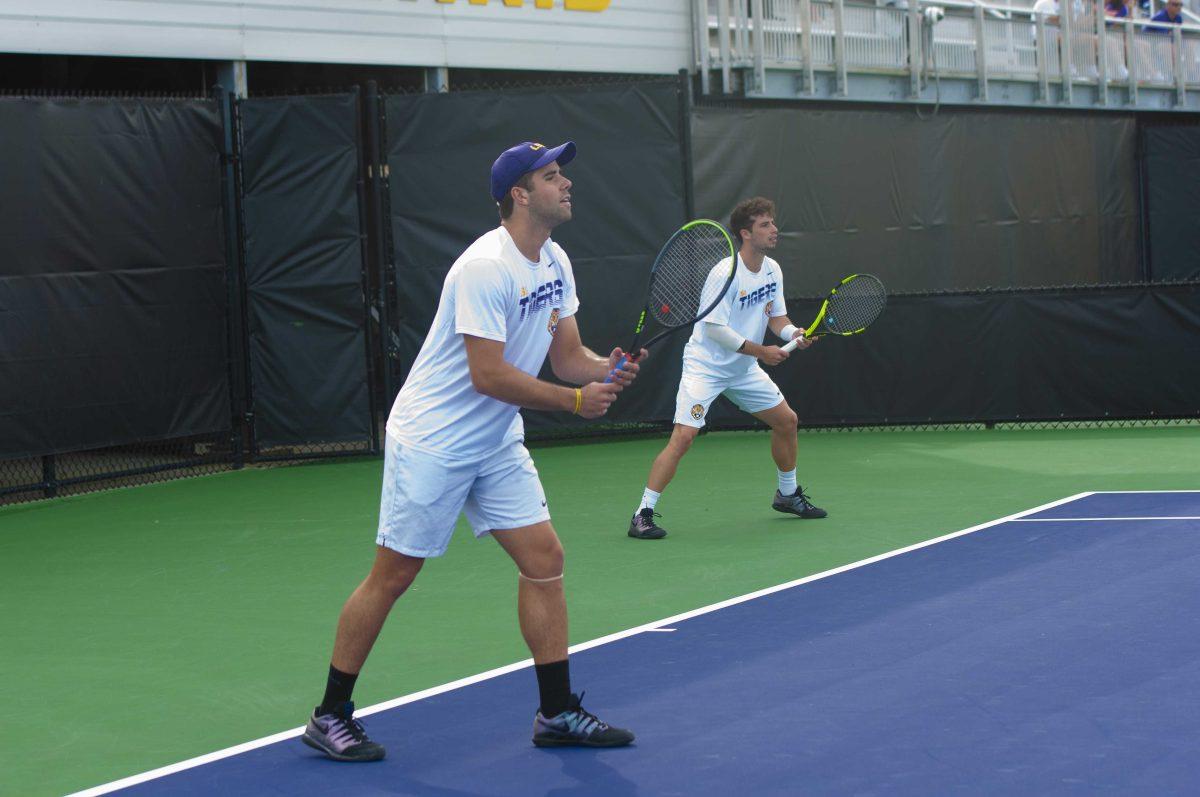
<point>578,401</point>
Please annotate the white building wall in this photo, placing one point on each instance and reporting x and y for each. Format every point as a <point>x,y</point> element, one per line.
<point>648,36</point>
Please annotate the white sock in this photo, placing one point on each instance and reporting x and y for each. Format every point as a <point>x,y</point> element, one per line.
<point>787,481</point>
<point>649,499</point>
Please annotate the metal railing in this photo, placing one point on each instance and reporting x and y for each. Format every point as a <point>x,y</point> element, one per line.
<point>953,39</point>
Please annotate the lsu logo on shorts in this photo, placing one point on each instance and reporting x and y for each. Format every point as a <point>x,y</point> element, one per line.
<point>552,325</point>
<point>697,411</point>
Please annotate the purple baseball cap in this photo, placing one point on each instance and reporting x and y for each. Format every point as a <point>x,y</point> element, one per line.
<point>526,157</point>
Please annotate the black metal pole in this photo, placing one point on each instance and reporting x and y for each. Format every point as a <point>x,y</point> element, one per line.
<point>1143,203</point>
<point>360,191</point>
<point>243,293</point>
<point>49,478</point>
<point>235,351</point>
<point>385,269</point>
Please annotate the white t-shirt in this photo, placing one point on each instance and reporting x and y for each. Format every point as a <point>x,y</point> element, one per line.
<point>493,292</point>
<point>753,298</point>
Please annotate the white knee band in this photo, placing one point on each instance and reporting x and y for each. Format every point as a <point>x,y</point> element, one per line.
<point>540,580</point>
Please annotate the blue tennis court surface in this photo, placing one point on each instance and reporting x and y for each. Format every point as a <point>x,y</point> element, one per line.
<point>1055,652</point>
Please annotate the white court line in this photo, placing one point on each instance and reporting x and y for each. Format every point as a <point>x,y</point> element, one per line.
<point>657,625</point>
<point>1140,492</point>
<point>1077,519</point>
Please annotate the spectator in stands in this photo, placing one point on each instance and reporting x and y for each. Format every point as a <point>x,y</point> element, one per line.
<point>1118,9</point>
<point>1172,12</point>
<point>1081,23</point>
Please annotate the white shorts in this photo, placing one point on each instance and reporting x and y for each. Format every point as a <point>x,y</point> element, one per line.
<point>752,392</point>
<point>423,495</point>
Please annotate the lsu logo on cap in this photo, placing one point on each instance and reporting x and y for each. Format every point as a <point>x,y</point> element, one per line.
<point>552,326</point>
<point>536,146</point>
<point>697,411</point>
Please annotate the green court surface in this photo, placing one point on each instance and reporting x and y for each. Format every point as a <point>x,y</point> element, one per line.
<point>147,625</point>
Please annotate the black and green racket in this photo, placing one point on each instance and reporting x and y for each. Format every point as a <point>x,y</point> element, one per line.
<point>689,278</point>
<point>850,308</point>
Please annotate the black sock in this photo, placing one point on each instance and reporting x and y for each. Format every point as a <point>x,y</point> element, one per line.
<point>337,690</point>
<point>554,685</point>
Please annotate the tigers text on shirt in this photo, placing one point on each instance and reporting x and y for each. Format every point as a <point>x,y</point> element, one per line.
<point>753,298</point>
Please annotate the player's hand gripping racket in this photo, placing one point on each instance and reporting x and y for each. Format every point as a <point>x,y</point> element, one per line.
<point>685,281</point>
<point>851,307</point>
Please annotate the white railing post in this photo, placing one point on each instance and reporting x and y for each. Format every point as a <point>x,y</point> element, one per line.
<point>756,29</point>
<point>916,48</point>
<point>740,45</point>
<point>723,39</point>
<point>839,46</point>
<point>981,54</point>
<point>1101,52</point>
<point>806,46</point>
<point>1043,50</point>
<point>1131,59</point>
<point>1064,45</point>
<point>1177,63</point>
<point>700,9</point>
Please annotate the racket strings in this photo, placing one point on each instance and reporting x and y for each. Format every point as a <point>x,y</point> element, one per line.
<point>855,305</point>
<point>678,291</point>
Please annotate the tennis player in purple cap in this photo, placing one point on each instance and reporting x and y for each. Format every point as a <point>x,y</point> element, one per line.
<point>455,444</point>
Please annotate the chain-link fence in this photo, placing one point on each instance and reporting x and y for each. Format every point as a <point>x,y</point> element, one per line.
<point>75,472</point>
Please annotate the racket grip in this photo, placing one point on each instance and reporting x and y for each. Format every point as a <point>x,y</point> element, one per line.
<point>620,364</point>
<point>791,345</point>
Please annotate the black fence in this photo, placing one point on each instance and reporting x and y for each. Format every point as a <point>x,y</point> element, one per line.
<point>196,284</point>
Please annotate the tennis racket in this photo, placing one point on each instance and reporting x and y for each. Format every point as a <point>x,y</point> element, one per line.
<point>851,307</point>
<point>685,284</point>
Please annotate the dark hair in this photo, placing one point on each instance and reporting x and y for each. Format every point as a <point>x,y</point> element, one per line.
<point>742,217</point>
<point>506,204</point>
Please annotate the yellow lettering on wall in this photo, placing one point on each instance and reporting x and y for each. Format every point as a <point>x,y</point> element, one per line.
<point>586,5</point>
<point>543,3</point>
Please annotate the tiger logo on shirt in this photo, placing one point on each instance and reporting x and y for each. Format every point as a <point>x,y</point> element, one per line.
<point>552,325</point>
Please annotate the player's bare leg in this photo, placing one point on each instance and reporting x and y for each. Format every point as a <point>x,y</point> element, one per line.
<point>782,421</point>
<point>542,612</point>
<point>368,606</point>
<point>642,525</point>
<point>541,601</point>
<point>332,728</point>
<point>790,496</point>
<point>667,461</point>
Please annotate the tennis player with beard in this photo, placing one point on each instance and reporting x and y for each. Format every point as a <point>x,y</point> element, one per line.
<point>722,356</point>
<point>455,443</point>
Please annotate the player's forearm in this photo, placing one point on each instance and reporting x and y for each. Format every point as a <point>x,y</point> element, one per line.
<point>752,349</point>
<point>580,367</point>
<point>511,385</point>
